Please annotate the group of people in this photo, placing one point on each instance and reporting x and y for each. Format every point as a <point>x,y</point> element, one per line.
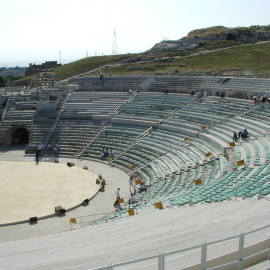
<point>49,149</point>
<point>240,135</point>
<point>101,181</point>
<point>52,149</point>
<point>131,91</point>
<point>107,154</point>
<point>261,99</point>
<point>132,186</point>
<point>133,191</point>
<point>199,94</point>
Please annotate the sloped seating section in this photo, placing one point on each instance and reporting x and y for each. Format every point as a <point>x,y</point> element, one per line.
<point>78,123</point>
<point>73,135</point>
<point>116,138</point>
<point>172,83</point>
<point>155,105</point>
<point>242,182</point>
<point>168,140</point>
<point>40,132</point>
<point>20,108</point>
<point>169,164</point>
<point>21,111</point>
<point>85,104</point>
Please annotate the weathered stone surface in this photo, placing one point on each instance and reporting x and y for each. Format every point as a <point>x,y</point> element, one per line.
<point>243,36</point>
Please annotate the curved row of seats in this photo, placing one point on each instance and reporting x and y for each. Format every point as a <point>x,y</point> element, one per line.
<point>169,165</point>
<point>171,155</point>
<point>172,83</point>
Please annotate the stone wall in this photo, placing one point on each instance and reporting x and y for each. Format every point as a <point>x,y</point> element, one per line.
<point>243,36</point>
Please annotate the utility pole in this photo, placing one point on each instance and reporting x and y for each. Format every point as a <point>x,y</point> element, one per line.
<point>114,46</point>
<point>60,57</point>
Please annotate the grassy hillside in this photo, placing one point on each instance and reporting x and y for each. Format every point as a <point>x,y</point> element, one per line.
<point>208,31</point>
<point>86,64</point>
<point>242,59</point>
<point>221,29</point>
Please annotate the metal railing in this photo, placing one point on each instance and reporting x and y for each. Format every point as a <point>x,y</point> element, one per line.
<point>236,263</point>
<point>57,120</point>
<point>88,220</point>
<point>127,101</point>
<point>12,89</point>
<point>136,140</point>
<point>148,131</point>
<point>181,142</point>
<point>105,217</point>
<point>103,128</point>
<point>5,111</point>
<point>92,140</point>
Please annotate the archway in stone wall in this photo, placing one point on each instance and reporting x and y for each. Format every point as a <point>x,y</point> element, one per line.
<point>20,136</point>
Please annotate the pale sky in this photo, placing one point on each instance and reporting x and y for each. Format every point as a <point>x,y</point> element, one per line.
<point>36,30</point>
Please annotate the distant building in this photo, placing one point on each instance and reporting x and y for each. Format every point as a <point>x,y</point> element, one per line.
<point>12,71</point>
<point>33,68</point>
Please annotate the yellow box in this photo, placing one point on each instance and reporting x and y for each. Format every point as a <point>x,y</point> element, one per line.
<point>198,181</point>
<point>159,205</point>
<point>208,154</point>
<point>73,220</point>
<point>132,167</point>
<point>138,182</point>
<point>131,212</point>
<point>232,144</point>
<point>204,127</point>
<point>240,162</point>
<point>121,200</point>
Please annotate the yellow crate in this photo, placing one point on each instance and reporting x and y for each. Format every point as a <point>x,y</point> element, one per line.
<point>132,167</point>
<point>240,162</point>
<point>159,205</point>
<point>131,212</point>
<point>138,182</point>
<point>121,200</point>
<point>198,181</point>
<point>73,220</point>
<point>204,127</point>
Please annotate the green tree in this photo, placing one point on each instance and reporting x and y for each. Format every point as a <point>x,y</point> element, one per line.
<point>2,82</point>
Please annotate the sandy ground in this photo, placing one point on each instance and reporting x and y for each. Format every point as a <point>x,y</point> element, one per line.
<point>101,203</point>
<point>29,190</point>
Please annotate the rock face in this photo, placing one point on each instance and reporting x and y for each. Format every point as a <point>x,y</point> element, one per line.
<point>182,44</point>
<point>243,36</point>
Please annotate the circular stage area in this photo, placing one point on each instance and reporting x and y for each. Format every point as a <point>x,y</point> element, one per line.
<point>29,190</point>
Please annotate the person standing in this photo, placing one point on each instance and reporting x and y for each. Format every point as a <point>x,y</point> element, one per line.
<point>245,134</point>
<point>235,136</point>
<point>240,135</point>
<point>102,185</point>
<point>117,206</point>
<point>117,193</point>
<point>37,157</point>
<point>143,187</point>
<point>131,184</point>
